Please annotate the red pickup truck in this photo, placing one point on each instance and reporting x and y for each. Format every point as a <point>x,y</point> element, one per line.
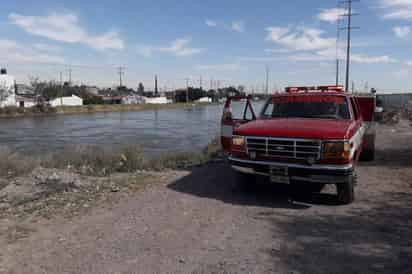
<point>306,136</point>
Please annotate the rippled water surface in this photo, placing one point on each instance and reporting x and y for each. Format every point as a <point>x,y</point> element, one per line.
<point>156,130</point>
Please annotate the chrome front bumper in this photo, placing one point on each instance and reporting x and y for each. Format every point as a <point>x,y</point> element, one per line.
<point>327,174</point>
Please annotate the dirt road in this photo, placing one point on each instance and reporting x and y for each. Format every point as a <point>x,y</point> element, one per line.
<point>199,222</point>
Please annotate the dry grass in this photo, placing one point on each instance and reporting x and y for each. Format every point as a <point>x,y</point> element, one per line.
<point>15,164</point>
<point>102,161</point>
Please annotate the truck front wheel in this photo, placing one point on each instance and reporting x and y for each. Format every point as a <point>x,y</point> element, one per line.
<point>346,191</point>
<point>245,181</point>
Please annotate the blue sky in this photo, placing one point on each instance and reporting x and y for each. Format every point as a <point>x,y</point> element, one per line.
<point>224,42</point>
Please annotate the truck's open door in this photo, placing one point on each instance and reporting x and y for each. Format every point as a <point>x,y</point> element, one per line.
<point>367,107</point>
<point>237,111</point>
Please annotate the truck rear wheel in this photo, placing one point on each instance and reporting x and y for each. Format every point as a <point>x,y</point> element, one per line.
<point>346,191</point>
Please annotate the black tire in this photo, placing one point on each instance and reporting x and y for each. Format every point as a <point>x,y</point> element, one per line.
<point>245,181</point>
<point>346,191</point>
<point>301,188</point>
<point>315,187</point>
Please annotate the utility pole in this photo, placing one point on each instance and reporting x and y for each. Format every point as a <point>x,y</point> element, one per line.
<point>200,82</point>
<point>187,89</point>
<point>337,46</point>
<point>69,70</point>
<point>156,88</point>
<point>349,29</point>
<point>61,88</point>
<point>121,73</point>
<point>267,80</point>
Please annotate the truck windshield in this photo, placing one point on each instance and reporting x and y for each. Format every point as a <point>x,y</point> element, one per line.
<point>306,106</point>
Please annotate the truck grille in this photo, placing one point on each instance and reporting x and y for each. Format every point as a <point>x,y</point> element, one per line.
<point>284,148</point>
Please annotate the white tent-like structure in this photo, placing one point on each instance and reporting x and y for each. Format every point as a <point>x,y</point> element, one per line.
<point>67,101</point>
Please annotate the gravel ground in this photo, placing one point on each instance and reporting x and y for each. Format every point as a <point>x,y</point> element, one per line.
<point>200,222</point>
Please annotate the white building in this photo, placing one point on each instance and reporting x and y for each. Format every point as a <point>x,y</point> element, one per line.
<point>136,99</point>
<point>25,102</point>
<point>157,100</point>
<point>205,100</point>
<point>133,100</point>
<point>67,101</point>
<point>7,89</point>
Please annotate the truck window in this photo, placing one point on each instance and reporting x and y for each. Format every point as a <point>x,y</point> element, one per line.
<point>307,106</point>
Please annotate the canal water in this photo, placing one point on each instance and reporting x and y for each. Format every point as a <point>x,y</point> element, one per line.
<point>156,131</point>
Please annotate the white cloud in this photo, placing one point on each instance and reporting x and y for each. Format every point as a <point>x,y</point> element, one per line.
<point>66,28</point>
<point>397,9</point>
<point>330,55</point>
<point>13,52</point>
<point>299,39</point>
<point>331,15</point>
<point>211,23</point>
<point>220,67</point>
<point>178,47</point>
<point>359,58</point>
<point>238,26</point>
<point>402,31</point>
<point>310,45</point>
<point>409,63</point>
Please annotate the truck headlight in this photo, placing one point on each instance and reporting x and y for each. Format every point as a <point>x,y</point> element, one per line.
<point>238,141</point>
<point>336,151</point>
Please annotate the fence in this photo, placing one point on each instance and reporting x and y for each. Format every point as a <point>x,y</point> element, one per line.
<point>399,100</point>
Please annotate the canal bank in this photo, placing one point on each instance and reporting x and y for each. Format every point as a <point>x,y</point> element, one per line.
<point>15,112</point>
<point>71,183</point>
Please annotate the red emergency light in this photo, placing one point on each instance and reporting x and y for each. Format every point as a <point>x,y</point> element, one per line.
<point>315,89</point>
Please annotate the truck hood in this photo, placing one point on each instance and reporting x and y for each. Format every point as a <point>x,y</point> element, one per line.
<point>298,128</point>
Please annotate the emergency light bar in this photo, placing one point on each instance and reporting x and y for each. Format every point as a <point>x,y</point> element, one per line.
<point>319,88</point>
